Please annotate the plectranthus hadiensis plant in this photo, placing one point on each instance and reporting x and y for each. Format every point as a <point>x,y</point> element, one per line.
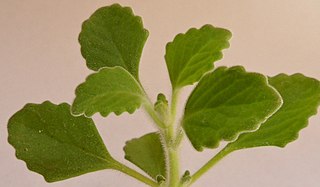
<point>230,104</point>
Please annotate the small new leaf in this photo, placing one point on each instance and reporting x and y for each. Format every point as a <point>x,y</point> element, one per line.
<point>162,107</point>
<point>147,153</point>
<point>56,144</point>
<point>192,54</point>
<point>301,97</point>
<point>109,90</point>
<point>227,102</point>
<point>113,36</point>
<point>186,177</point>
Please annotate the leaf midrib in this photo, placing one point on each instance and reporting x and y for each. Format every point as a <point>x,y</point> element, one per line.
<point>65,143</point>
<point>52,137</point>
<point>124,63</point>
<point>192,57</point>
<point>191,114</point>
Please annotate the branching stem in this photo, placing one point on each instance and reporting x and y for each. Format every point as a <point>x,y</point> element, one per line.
<point>173,135</point>
<point>149,108</point>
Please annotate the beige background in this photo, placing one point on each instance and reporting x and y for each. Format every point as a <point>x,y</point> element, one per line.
<point>40,60</point>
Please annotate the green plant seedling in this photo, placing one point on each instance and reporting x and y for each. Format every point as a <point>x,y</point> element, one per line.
<point>246,109</point>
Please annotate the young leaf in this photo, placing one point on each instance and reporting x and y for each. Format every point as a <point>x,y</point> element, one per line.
<point>192,54</point>
<point>109,90</point>
<point>162,107</point>
<point>56,144</point>
<point>113,36</point>
<point>227,102</point>
<point>301,96</point>
<point>147,153</point>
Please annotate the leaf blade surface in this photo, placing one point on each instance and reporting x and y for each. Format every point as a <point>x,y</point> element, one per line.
<point>301,96</point>
<point>192,54</point>
<point>147,153</point>
<point>113,36</point>
<point>56,144</point>
<point>226,103</point>
<point>108,90</point>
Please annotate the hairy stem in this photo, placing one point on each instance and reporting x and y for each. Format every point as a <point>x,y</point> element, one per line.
<point>150,109</point>
<point>173,150</point>
<point>174,174</point>
<point>168,132</point>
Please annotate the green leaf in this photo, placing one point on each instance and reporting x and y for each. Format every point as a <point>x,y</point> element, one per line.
<point>147,153</point>
<point>301,96</point>
<point>162,107</point>
<point>186,177</point>
<point>113,36</point>
<point>192,54</point>
<point>56,144</point>
<point>109,90</point>
<point>227,102</point>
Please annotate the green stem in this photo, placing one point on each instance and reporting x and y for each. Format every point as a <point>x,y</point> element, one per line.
<point>179,132</point>
<point>224,152</point>
<point>174,174</point>
<point>174,101</point>
<point>125,169</point>
<point>150,109</point>
<point>173,150</point>
<point>179,136</point>
<point>167,130</point>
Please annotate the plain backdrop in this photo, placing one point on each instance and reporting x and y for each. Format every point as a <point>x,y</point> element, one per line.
<point>40,60</point>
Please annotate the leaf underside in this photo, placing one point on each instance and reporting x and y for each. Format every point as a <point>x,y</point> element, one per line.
<point>113,36</point>
<point>225,103</point>
<point>301,96</point>
<point>56,144</point>
<point>147,153</point>
<point>192,54</point>
<point>108,90</point>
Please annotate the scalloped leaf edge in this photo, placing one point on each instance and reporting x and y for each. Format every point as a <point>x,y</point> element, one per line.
<point>258,125</point>
<point>192,30</point>
<point>129,110</point>
<point>125,8</point>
